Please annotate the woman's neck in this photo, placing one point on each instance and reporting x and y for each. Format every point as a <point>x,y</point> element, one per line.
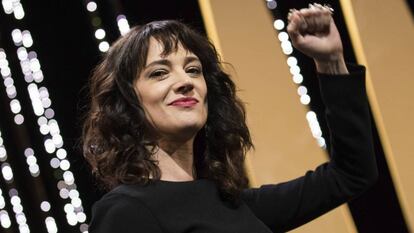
<point>175,160</point>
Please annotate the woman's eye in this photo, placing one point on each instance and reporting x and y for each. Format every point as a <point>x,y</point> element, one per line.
<point>158,74</point>
<point>194,70</point>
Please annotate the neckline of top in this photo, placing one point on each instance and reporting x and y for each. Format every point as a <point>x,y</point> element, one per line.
<point>180,182</point>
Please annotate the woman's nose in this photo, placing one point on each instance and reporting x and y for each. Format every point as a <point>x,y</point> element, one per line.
<point>184,84</point>
<point>185,87</point>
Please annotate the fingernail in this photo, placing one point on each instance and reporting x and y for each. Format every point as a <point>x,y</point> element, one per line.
<point>318,5</point>
<point>328,7</point>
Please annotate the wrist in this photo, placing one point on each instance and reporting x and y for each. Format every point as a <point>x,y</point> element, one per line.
<point>334,66</point>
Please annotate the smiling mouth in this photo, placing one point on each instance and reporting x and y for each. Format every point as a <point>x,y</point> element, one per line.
<point>189,103</point>
<point>184,102</point>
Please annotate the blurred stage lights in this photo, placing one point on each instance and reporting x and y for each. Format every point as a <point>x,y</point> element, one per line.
<point>103,46</point>
<point>271,4</point>
<point>91,6</point>
<point>51,225</point>
<point>68,177</point>
<point>22,38</point>
<point>283,36</point>
<point>11,91</point>
<point>45,206</point>
<point>294,70</point>
<point>15,200</point>
<point>18,210</point>
<point>123,24</point>
<point>27,39</point>
<point>4,219</point>
<point>31,161</point>
<point>61,153</point>
<point>3,152</point>
<point>64,165</point>
<point>100,34</point>
<point>297,77</point>
<point>292,61</point>
<point>7,172</point>
<point>302,90</point>
<point>4,215</point>
<point>278,24</point>
<point>41,105</point>
<point>15,7</point>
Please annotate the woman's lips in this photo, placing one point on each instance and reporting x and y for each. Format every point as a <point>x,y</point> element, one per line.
<point>184,102</point>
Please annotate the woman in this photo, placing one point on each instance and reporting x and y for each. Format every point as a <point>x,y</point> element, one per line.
<point>166,134</point>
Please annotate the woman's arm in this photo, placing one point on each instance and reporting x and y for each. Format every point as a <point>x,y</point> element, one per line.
<point>350,172</point>
<point>352,168</point>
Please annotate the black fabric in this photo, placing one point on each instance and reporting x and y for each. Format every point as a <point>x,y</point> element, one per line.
<point>195,206</point>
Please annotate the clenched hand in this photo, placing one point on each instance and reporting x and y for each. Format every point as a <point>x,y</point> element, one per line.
<point>313,32</point>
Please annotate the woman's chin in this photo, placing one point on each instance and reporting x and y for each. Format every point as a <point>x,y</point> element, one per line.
<point>186,132</point>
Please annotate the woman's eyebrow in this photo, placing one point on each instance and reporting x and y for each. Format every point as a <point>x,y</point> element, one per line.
<point>191,59</point>
<point>166,62</point>
<point>159,62</point>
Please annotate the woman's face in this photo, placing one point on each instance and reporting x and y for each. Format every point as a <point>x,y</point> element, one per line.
<point>173,92</point>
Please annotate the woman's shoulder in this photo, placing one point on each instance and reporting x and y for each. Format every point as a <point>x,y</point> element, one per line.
<point>122,210</point>
<point>128,192</point>
<point>122,201</point>
<point>135,192</point>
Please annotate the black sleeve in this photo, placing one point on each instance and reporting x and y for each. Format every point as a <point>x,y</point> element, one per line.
<point>121,213</point>
<point>352,168</point>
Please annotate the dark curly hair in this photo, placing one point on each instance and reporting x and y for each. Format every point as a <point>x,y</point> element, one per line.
<point>117,139</point>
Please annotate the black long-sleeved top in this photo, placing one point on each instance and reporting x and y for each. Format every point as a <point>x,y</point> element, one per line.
<point>195,206</point>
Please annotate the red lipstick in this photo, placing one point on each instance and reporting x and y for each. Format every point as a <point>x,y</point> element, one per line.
<point>184,102</point>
